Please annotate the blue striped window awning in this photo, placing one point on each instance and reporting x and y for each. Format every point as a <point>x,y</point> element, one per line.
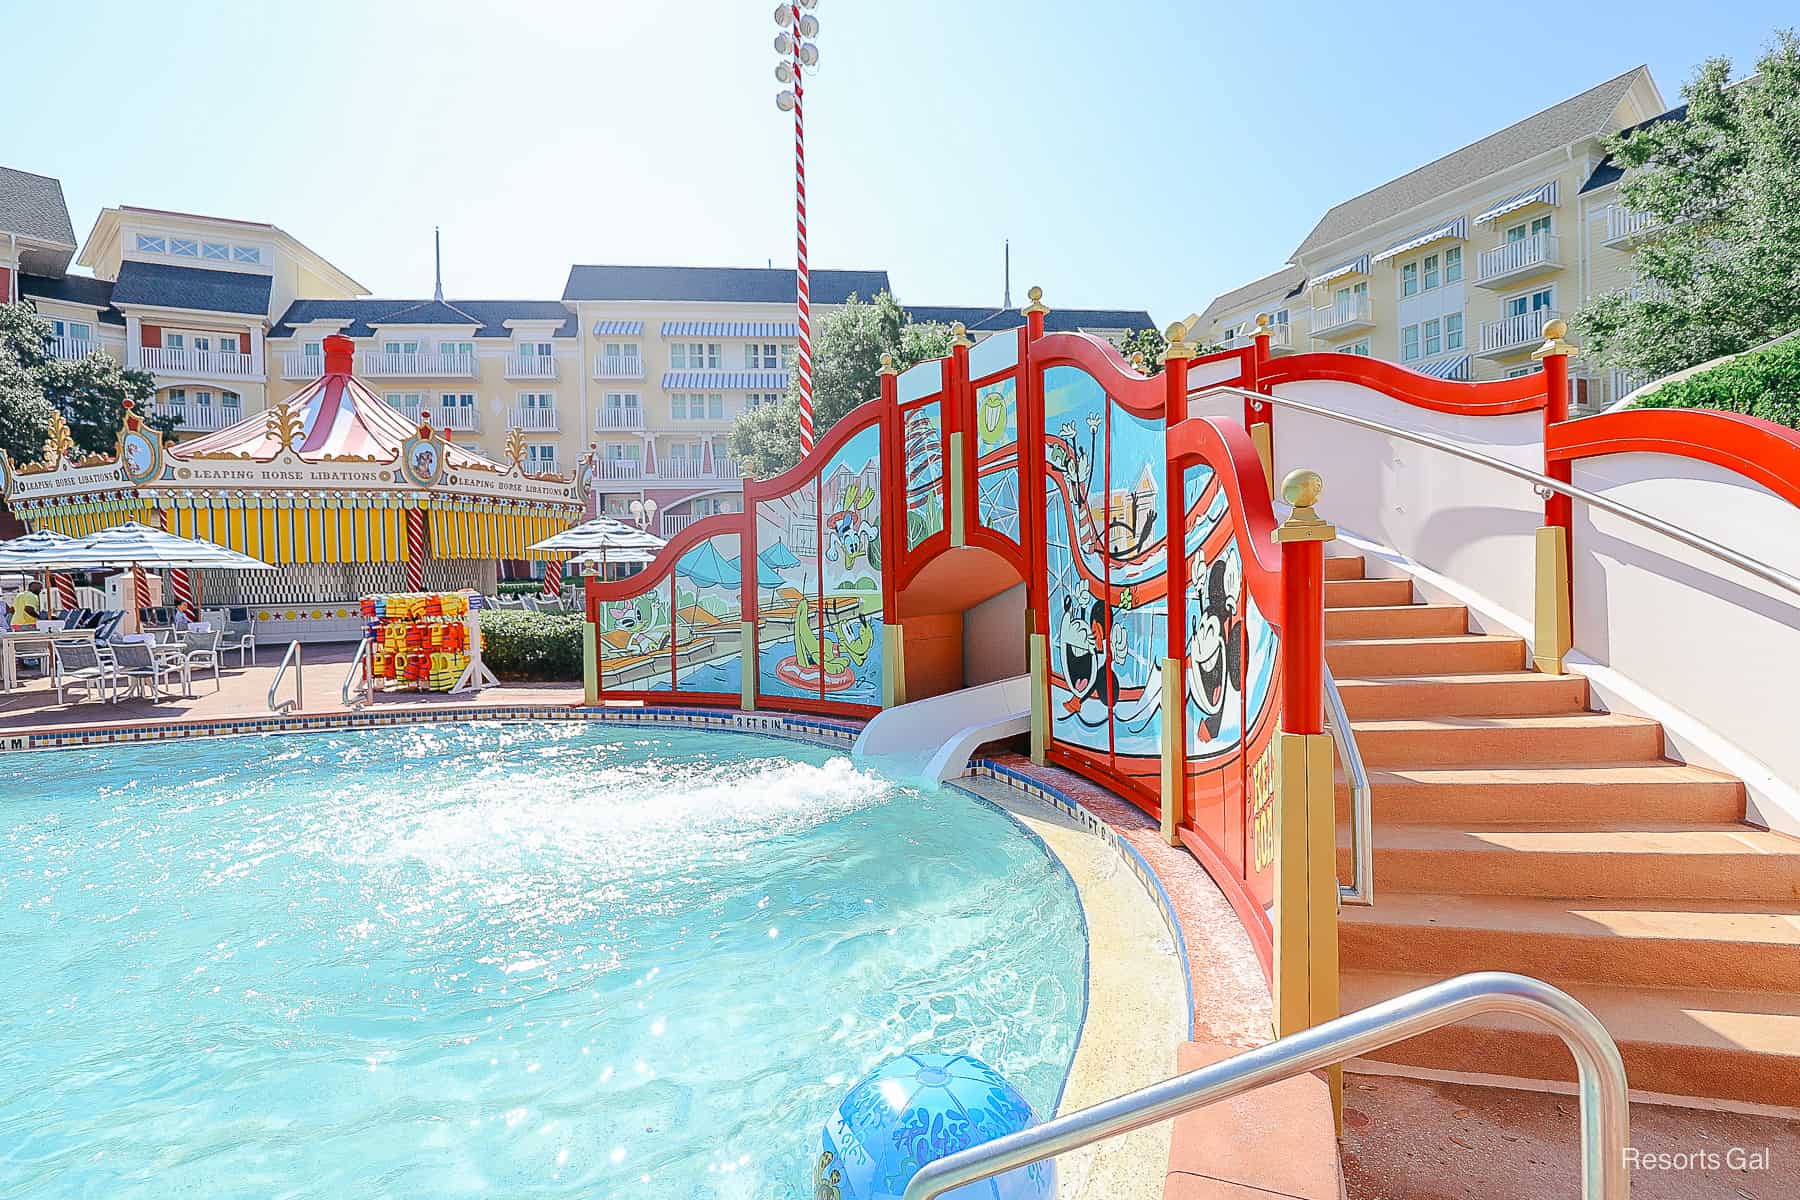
<point>1356,266</point>
<point>1459,228</point>
<point>619,329</point>
<point>1542,194</point>
<point>1447,368</point>
<point>731,329</point>
<point>727,381</point>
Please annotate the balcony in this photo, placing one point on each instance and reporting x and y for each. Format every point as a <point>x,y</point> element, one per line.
<point>609,419</point>
<point>298,365</point>
<point>620,367</point>
<point>1625,225</point>
<point>530,366</point>
<point>1510,334</point>
<point>70,349</point>
<point>1281,337</point>
<point>201,418</point>
<point>1518,260</point>
<point>674,524</point>
<point>227,364</point>
<point>459,418</point>
<point>619,468</point>
<point>1346,316</point>
<point>415,366</point>
<point>534,418</point>
<point>410,410</point>
<point>692,470</point>
<point>541,466</point>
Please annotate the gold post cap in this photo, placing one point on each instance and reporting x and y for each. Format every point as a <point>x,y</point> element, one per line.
<point>1262,326</point>
<point>1554,333</point>
<point>1179,347</point>
<point>959,335</point>
<point>887,365</point>
<point>1302,489</point>
<point>1036,305</point>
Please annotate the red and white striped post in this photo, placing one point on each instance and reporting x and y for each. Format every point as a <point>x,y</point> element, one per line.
<point>796,28</point>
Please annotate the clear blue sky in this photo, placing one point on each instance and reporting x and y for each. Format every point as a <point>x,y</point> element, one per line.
<point>1146,155</point>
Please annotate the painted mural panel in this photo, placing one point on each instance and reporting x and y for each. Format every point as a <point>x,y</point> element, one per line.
<point>997,461</point>
<point>634,642</point>
<point>709,653</point>
<point>787,586</point>
<point>1136,528</point>
<point>849,642</point>
<point>1083,686</point>
<point>924,459</point>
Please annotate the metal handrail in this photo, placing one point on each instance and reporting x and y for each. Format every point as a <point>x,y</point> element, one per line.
<point>363,662</point>
<point>1361,891</point>
<point>293,656</point>
<point>1543,484</point>
<point>1600,1076</point>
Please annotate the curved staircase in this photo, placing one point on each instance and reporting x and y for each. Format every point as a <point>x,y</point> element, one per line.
<point>1517,830</point>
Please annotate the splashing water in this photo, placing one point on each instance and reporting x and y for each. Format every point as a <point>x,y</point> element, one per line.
<point>534,960</point>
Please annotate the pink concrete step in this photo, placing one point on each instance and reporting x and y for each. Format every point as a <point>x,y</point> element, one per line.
<point>1556,738</point>
<point>1731,1045</point>
<point>1453,654</point>
<point>1343,566</point>
<point>1278,1142</point>
<point>1697,861</point>
<point>1743,946</point>
<point>1360,593</point>
<point>1496,693</point>
<point>1396,620</point>
<point>1588,793</point>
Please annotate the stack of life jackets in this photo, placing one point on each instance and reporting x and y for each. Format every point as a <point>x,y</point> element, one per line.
<point>419,639</point>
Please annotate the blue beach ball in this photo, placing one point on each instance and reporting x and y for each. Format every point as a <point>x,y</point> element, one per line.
<point>913,1110</point>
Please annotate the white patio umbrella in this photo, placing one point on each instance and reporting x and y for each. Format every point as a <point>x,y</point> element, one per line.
<point>40,551</point>
<point>135,545</point>
<point>606,541</point>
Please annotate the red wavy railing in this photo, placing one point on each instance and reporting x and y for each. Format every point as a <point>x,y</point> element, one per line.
<point>1759,450</point>
<point>1499,398</point>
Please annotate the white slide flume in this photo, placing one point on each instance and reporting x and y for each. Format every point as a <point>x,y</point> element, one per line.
<point>933,739</point>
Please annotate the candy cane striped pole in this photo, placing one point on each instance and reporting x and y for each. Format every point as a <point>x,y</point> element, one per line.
<point>553,577</point>
<point>802,282</point>
<point>415,549</point>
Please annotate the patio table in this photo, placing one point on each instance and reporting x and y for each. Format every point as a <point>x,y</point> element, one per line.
<point>13,641</point>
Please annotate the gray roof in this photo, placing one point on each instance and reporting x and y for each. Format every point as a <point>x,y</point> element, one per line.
<point>167,286</point>
<point>489,315</point>
<point>1288,281</point>
<point>1583,116</point>
<point>32,206</point>
<point>727,285</point>
<point>1057,320</point>
<point>1609,171</point>
<point>74,289</point>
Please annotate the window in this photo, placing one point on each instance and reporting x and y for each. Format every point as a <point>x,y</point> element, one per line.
<point>174,341</point>
<point>312,349</point>
<point>177,397</point>
<point>246,254</point>
<point>540,400</point>
<point>456,400</point>
<point>619,452</point>
<point>74,331</point>
<point>1409,279</point>
<point>694,356</point>
<point>1518,306</point>
<point>758,399</point>
<point>1230,332</point>
<point>527,349</point>
<point>1520,232</point>
<point>411,347</point>
<point>1360,348</point>
<point>1540,225</point>
<point>1434,339</point>
<point>150,243</point>
<point>696,406</point>
<point>405,401</point>
<point>1281,317</point>
<point>1430,271</point>
<point>1516,372</point>
<point>622,401</point>
<point>1453,265</point>
<point>216,251</point>
<point>540,458</point>
<point>203,399</point>
<point>1453,331</point>
<point>1409,343</point>
<point>621,356</point>
<point>457,349</point>
<point>762,356</point>
<point>185,247</point>
<point>230,399</point>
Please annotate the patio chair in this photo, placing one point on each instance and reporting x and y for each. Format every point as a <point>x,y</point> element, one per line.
<point>139,668</point>
<point>202,650</point>
<point>240,640</point>
<point>80,668</point>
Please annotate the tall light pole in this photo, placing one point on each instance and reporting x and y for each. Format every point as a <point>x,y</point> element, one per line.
<point>798,54</point>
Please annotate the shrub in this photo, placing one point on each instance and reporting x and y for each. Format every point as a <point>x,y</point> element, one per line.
<point>531,645</point>
<point>531,587</point>
<point>1762,383</point>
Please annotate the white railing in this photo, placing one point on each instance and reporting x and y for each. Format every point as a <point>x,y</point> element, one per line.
<point>203,418</point>
<point>1355,311</point>
<point>619,468</point>
<point>1510,332</point>
<point>673,524</point>
<point>1538,250</point>
<point>359,681</point>
<point>70,349</point>
<point>541,466</point>
<point>410,410</point>
<point>1281,337</point>
<point>415,366</point>
<point>534,419</point>
<point>165,361</point>
<point>693,468</point>
<point>296,364</point>
<point>619,418</point>
<point>1626,382</point>
<point>609,367</point>
<point>530,366</point>
<point>291,658</point>
<point>459,418</point>
<point>1624,223</point>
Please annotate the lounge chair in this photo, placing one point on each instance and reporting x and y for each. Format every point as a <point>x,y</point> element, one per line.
<point>80,668</point>
<point>107,627</point>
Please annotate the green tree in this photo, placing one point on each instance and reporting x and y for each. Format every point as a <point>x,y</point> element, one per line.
<point>24,411</point>
<point>1148,342</point>
<point>1721,271</point>
<point>89,392</point>
<point>847,349</point>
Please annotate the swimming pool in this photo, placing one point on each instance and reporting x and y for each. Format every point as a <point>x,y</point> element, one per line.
<point>540,959</point>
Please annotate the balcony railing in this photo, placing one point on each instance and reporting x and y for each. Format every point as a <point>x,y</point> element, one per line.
<point>673,524</point>
<point>1626,382</point>
<point>1343,316</point>
<point>408,409</point>
<point>619,468</point>
<point>1539,252</point>
<point>534,419</point>
<point>201,418</point>
<point>541,466</point>
<point>610,367</point>
<point>1623,224</point>
<point>1513,333</point>
<point>688,469</point>
<point>70,349</point>
<point>619,418</point>
<point>163,360</point>
<point>530,366</point>
<point>298,365</point>
<point>459,418</point>
<point>1281,337</point>
<point>415,366</point>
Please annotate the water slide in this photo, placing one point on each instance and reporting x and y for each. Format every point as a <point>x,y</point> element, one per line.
<point>933,739</point>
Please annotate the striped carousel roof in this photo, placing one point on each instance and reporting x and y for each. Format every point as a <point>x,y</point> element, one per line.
<point>340,419</point>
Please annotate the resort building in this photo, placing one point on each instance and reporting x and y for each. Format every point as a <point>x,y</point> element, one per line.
<point>1453,269</point>
<point>644,366</point>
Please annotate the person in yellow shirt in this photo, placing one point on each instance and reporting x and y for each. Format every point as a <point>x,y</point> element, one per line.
<point>26,607</point>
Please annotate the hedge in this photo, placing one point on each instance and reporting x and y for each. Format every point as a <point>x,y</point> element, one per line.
<point>531,645</point>
<point>530,587</point>
<point>1761,383</point>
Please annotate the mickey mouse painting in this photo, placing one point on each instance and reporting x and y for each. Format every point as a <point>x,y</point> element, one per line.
<point>1084,648</point>
<point>1215,648</point>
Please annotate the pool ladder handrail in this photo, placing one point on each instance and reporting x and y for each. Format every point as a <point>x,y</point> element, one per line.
<point>1361,889</point>
<point>292,656</point>
<point>1600,1075</point>
<point>363,665</point>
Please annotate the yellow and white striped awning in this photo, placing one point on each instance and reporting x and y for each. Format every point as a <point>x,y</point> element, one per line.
<point>1544,193</point>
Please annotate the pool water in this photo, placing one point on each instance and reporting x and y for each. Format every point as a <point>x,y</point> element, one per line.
<point>546,959</point>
